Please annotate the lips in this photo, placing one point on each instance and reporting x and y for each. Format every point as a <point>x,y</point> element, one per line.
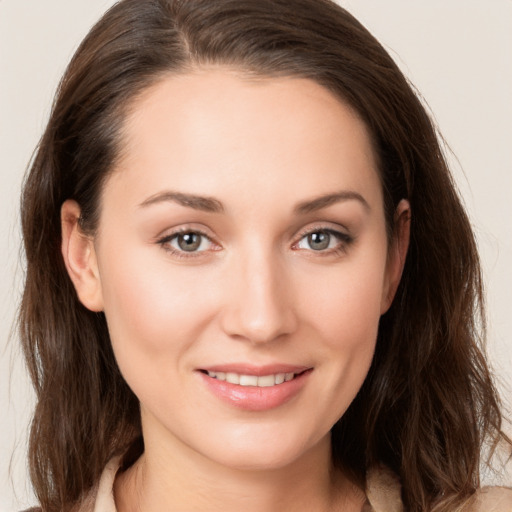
<point>255,388</point>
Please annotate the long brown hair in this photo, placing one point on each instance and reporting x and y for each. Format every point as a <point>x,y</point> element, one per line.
<point>428,402</point>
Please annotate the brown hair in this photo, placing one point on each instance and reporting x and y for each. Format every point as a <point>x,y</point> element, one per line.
<point>428,402</point>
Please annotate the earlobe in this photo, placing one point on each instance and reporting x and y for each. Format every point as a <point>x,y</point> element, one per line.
<point>80,258</point>
<point>397,253</point>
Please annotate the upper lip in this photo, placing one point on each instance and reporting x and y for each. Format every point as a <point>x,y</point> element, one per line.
<point>257,370</point>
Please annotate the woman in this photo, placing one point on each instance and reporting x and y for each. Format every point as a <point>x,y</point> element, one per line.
<point>250,281</point>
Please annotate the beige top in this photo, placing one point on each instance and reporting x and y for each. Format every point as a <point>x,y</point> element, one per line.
<point>383,494</point>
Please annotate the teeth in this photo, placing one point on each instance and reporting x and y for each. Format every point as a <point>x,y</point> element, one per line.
<point>248,380</point>
<point>266,381</point>
<point>263,381</point>
<point>232,378</point>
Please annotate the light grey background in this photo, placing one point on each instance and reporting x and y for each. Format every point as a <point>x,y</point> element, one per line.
<point>458,54</point>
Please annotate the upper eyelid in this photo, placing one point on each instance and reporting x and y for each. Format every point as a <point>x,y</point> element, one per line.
<point>327,227</point>
<point>167,238</point>
<point>344,237</point>
<point>172,232</point>
<point>172,236</point>
<point>164,242</point>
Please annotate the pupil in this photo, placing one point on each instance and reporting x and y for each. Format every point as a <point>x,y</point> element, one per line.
<point>319,241</point>
<point>189,241</point>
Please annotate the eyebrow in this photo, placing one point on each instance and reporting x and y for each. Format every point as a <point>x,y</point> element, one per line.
<point>330,199</point>
<point>206,204</point>
<point>209,204</point>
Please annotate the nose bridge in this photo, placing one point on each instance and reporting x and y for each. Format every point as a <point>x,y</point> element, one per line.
<point>260,306</point>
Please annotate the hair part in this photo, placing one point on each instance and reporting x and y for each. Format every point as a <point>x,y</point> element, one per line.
<point>428,402</point>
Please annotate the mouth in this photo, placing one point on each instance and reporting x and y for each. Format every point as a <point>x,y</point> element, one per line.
<point>255,388</point>
<point>261,381</point>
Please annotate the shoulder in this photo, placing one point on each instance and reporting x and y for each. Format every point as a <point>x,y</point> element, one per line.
<point>384,495</point>
<point>491,499</point>
<point>383,490</point>
<point>101,496</point>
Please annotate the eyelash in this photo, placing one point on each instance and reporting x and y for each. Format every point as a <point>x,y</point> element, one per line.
<point>165,241</point>
<point>344,241</point>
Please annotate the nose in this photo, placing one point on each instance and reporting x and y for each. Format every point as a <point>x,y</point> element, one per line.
<point>259,306</point>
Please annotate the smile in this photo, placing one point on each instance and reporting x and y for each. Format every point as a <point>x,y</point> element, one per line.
<point>263,381</point>
<point>255,389</point>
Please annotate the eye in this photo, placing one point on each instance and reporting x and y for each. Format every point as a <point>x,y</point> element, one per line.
<point>324,240</point>
<point>186,242</point>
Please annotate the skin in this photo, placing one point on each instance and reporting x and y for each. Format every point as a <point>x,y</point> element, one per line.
<point>256,290</point>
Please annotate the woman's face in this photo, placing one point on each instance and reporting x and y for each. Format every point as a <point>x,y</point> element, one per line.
<point>242,264</point>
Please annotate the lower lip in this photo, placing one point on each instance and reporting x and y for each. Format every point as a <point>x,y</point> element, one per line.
<point>254,398</point>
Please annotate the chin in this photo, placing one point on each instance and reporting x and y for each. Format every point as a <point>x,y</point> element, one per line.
<point>261,453</point>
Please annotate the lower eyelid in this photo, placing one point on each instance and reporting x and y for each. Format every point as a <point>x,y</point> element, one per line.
<point>343,239</point>
<point>166,240</point>
<point>204,240</point>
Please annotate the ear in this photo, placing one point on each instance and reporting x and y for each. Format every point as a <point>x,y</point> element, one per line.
<point>397,253</point>
<point>80,257</point>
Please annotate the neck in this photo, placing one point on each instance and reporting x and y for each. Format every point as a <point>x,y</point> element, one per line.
<point>171,476</point>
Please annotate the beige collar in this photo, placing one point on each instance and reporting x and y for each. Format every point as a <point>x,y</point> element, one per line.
<point>383,492</point>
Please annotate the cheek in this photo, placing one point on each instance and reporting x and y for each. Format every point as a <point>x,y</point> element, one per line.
<point>345,314</point>
<point>345,304</point>
<point>153,311</point>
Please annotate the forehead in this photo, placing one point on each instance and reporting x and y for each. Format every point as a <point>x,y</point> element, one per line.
<point>218,131</point>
